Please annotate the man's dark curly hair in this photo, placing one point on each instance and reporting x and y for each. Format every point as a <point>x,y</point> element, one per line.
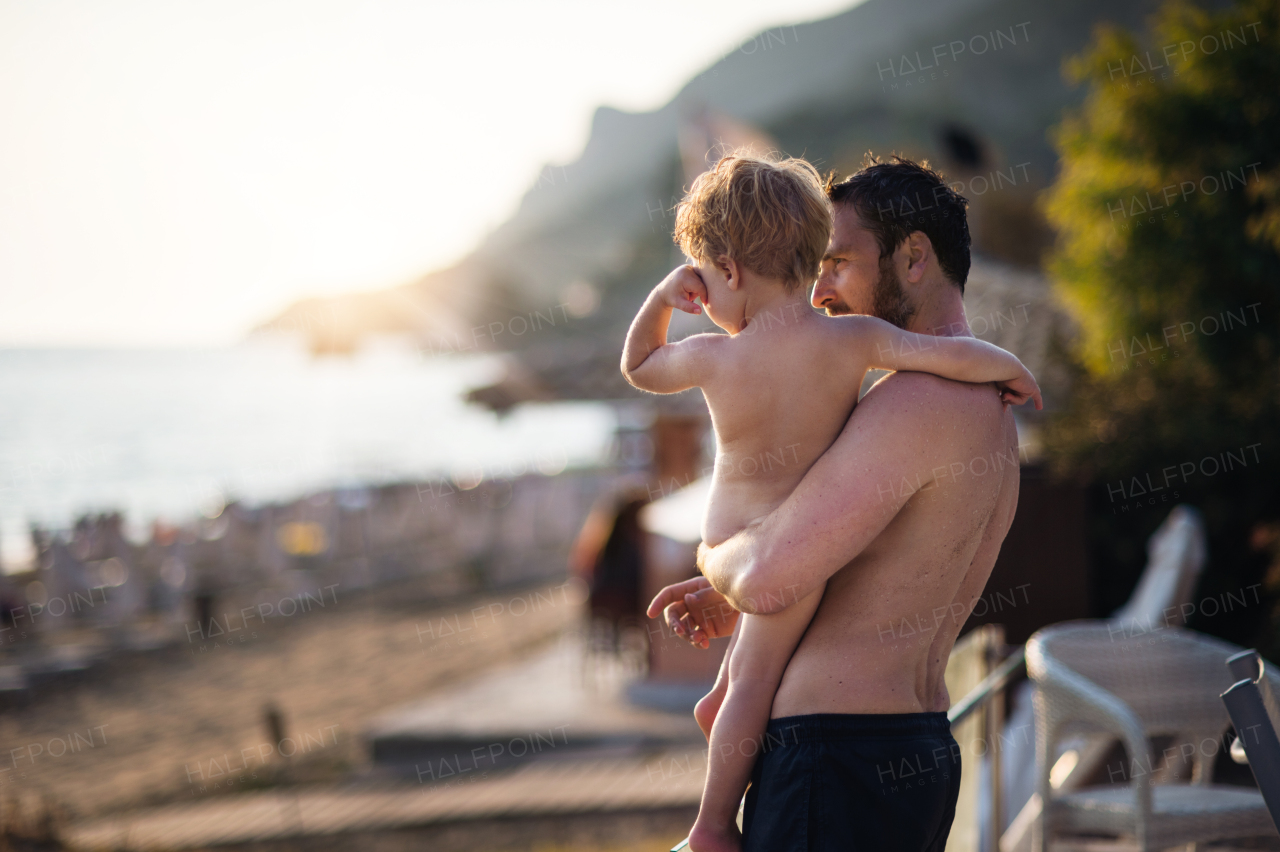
<point>894,199</point>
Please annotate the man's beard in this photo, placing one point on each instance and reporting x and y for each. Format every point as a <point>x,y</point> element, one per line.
<point>889,301</point>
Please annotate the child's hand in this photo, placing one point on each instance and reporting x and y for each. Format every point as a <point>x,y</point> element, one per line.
<point>1019,390</point>
<point>682,289</point>
<point>695,611</point>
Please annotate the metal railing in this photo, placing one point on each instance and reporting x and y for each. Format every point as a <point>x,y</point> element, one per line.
<point>984,697</point>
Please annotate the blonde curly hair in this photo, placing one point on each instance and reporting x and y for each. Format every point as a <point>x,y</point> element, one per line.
<point>770,215</point>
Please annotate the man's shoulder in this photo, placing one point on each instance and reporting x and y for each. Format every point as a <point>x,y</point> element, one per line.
<point>934,424</point>
<point>942,402</point>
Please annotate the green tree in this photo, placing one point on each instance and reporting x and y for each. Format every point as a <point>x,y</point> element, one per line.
<point>1167,209</point>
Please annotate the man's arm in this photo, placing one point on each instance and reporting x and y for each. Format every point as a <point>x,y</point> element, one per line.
<point>651,363</point>
<point>846,499</point>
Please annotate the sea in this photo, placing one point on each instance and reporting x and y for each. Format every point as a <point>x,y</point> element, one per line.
<point>169,434</point>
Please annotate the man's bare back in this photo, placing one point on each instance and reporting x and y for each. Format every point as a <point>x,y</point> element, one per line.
<point>880,639</point>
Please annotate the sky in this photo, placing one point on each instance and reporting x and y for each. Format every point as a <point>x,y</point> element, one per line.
<point>174,172</point>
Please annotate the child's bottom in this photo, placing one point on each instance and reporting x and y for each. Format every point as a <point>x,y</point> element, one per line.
<point>833,781</point>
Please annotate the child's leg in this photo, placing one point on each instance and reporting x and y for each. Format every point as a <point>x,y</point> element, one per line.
<point>707,708</point>
<point>760,655</point>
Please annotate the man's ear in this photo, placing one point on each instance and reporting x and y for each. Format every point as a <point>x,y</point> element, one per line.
<point>731,270</point>
<point>919,255</point>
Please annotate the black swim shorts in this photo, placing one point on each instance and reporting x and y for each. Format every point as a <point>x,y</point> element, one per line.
<point>878,782</point>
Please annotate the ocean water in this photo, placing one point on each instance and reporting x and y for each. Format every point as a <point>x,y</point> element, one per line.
<point>169,433</point>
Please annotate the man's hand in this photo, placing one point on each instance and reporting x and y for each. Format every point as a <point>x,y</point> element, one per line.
<point>695,611</point>
<point>1019,390</point>
<point>682,288</point>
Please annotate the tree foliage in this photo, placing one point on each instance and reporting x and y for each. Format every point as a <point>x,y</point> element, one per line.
<point>1167,209</point>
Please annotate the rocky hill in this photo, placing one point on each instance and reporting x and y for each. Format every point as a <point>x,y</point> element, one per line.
<point>973,85</point>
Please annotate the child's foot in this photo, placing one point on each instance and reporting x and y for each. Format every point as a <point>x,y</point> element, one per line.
<point>706,709</point>
<point>705,838</point>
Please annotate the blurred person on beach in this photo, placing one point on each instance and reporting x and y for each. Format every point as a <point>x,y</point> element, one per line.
<point>607,557</point>
<point>780,386</point>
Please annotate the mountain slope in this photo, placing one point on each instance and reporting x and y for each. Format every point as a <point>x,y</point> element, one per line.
<point>972,84</point>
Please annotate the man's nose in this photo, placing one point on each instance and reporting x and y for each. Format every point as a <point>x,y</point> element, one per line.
<point>823,293</point>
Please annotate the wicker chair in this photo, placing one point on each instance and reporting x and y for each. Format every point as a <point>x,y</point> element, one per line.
<point>1100,677</point>
<point>1176,555</point>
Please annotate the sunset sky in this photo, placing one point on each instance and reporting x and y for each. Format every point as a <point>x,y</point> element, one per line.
<point>174,172</point>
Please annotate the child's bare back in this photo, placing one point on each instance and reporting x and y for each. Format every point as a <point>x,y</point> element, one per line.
<point>781,391</point>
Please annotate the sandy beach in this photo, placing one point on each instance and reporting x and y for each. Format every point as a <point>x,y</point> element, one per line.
<point>182,724</point>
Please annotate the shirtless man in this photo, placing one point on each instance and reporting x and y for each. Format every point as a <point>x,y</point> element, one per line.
<point>902,517</point>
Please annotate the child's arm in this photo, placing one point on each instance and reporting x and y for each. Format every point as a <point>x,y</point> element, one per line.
<point>651,363</point>
<point>764,647</point>
<point>964,359</point>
